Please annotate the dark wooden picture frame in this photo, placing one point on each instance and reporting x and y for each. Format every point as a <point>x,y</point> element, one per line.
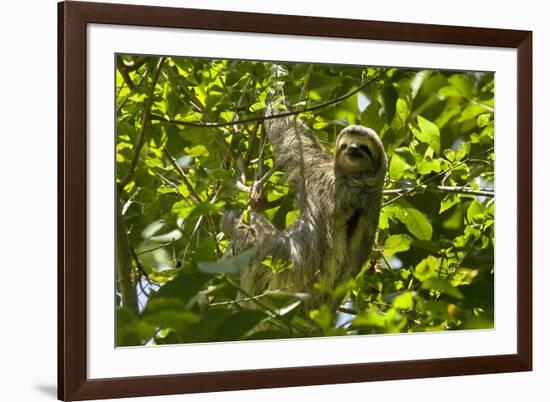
<point>73,17</point>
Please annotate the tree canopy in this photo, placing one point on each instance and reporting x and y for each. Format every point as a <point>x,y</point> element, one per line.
<point>190,144</point>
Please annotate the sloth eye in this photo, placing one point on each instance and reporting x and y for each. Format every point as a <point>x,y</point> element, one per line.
<point>343,146</point>
<point>367,150</point>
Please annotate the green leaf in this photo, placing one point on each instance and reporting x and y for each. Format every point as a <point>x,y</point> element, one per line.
<point>237,325</point>
<point>183,208</point>
<point>428,133</point>
<point>462,83</point>
<point>371,117</point>
<point>486,136</point>
<point>184,287</point>
<point>443,286</point>
<point>447,115</point>
<point>197,150</point>
<point>268,334</point>
<point>415,221</point>
<point>212,101</point>
<point>479,294</point>
<point>428,165</point>
<point>448,202</point>
<point>471,111</point>
<point>291,216</point>
<point>450,154</point>
<point>396,244</point>
<point>449,91</point>
<point>462,151</point>
<point>130,330</point>
<point>369,319</point>
<point>401,114</point>
<point>403,301</point>
<point>389,96</point>
<point>483,119</point>
<point>398,166</point>
<point>232,265</point>
<point>232,78</point>
<point>383,222</point>
<point>475,208</point>
<point>323,317</point>
<point>427,268</point>
<point>402,110</point>
<point>168,312</point>
<point>203,330</point>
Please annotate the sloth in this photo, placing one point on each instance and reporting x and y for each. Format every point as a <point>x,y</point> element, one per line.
<point>339,200</point>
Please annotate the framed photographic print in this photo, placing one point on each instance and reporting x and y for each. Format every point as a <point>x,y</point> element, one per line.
<point>253,200</point>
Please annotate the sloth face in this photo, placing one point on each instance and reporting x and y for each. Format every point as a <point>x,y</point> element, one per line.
<point>359,151</point>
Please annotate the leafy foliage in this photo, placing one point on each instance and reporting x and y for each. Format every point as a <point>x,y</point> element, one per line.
<point>190,143</point>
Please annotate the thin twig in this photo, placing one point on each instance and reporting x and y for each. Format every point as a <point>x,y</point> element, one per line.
<point>251,143</point>
<point>236,302</point>
<point>158,247</point>
<point>183,176</point>
<point>385,260</point>
<point>256,301</point>
<point>140,268</point>
<point>305,88</point>
<point>266,176</point>
<point>249,296</point>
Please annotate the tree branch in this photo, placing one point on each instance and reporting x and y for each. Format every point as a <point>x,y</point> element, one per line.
<point>269,117</point>
<point>251,143</point>
<point>485,192</point>
<point>420,185</point>
<point>144,123</point>
<point>124,268</point>
<point>347,310</point>
<point>134,64</point>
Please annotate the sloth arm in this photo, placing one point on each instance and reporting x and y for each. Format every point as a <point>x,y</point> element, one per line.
<point>301,156</point>
<point>297,150</point>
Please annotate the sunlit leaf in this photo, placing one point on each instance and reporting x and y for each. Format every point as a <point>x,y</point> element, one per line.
<point>475,208</point>
<point>403,301</point>
<point>443,286</point>
<point>427,268</point>
<point>396,244</point>
<point>415,221</point>
<point>398,166</point>
<point>428,132</point>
